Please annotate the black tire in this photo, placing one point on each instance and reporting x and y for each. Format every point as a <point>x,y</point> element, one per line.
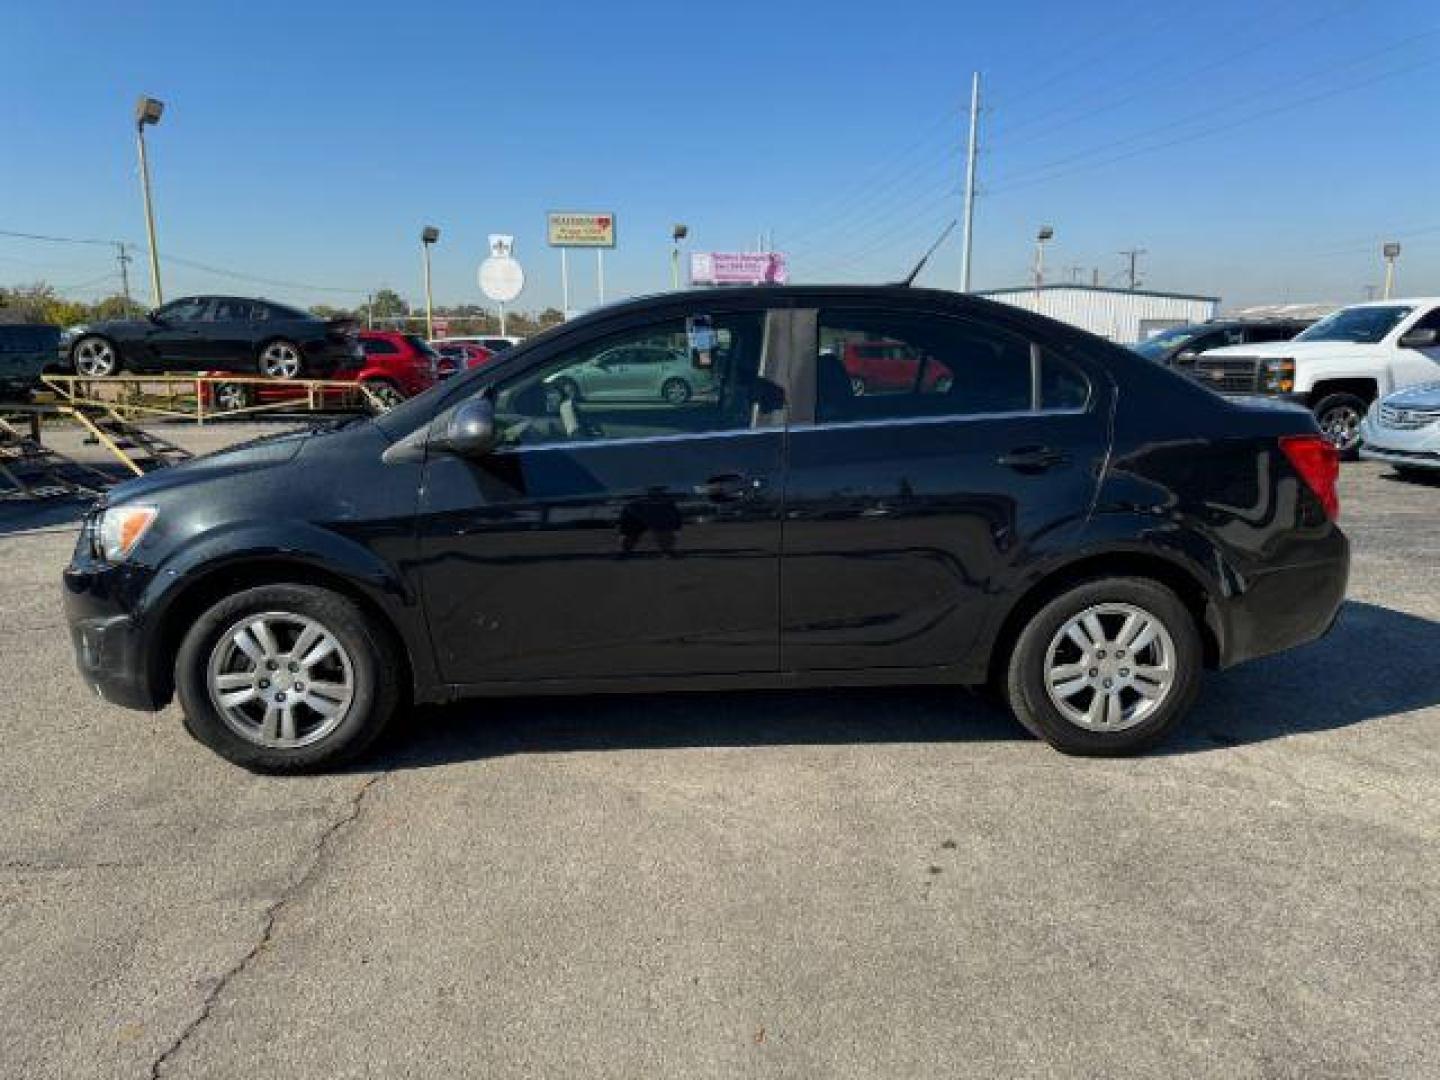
<point>377,673</point>
<point>91,343</point>
<point>675,391</point>
<point>230,397</point>
<point>386,392</point>
<point>1342,412</point>
<point>268,359</point>
<point>1025,684</point>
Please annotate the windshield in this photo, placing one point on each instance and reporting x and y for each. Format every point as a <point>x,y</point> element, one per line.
<point>1157,347</point>
<point>1363,325</point>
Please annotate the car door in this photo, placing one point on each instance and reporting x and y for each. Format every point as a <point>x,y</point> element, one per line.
<point>604,539</point>
<point>910,509</point>
<point>172,333</point>
<point>1410,365</point>
<point>225,338</point>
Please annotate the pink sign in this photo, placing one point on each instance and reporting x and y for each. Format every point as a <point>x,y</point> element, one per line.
<point>738,268</point>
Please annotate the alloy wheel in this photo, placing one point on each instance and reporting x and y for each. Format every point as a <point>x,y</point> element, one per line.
<point>231,396</point>
<point>386,395</point>
<point>280,680</point>
<point>1109,667</point>
<point>95,357</point>
<point>280,360</point>
<point>1341,425</point>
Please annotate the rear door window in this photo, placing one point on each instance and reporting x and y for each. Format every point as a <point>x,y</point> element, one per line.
<point>899,366</point>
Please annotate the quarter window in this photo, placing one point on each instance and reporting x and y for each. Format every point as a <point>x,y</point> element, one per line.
<point>879,366</point>
<point>686,376</point>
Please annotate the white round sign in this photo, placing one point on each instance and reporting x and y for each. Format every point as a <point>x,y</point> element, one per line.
<point>501,279</point>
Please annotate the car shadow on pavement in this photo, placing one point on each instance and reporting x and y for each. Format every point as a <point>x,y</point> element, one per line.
<point>1376,662</point>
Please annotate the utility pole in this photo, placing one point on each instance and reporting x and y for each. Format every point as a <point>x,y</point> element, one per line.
<point>1133,255</point>
<point>969,212</point>
<point>124,260</point>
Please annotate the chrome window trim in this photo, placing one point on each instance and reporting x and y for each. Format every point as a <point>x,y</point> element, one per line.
<point>963,418</point>
<point>636,440</point>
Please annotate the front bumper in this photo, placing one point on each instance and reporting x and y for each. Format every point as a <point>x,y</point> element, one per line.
<point>112,647</point>
<point>1417,448</point>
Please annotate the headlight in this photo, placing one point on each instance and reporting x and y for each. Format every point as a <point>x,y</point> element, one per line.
<point>120,529</point>
<point>1279,375</point>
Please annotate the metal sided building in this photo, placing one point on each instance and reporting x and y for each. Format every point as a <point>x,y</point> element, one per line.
<point>1122,315</point>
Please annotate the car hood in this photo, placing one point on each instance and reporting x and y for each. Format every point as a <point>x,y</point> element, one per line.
<point>1425,397</point>
<point>1312,349</point>
<point>265,452</point>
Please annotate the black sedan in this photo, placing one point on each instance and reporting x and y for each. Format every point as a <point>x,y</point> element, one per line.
<point>1081,528</point>
<point>214,333</point>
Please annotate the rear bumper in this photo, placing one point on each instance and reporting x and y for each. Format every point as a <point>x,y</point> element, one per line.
<point>1287,606</point>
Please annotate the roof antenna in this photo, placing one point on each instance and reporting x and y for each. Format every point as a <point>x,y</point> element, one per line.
<point>910,278</point>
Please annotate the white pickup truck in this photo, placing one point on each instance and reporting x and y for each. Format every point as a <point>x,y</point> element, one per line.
<point>1338,366</point>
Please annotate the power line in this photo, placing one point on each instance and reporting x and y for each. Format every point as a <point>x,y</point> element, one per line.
<point>56,239</point>
<point>255,279</point>
<point>1050,172</point>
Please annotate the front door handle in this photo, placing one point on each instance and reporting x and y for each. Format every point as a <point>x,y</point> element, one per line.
<point>1031,459</point>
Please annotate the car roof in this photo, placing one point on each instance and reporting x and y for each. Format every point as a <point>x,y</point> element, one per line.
<point>1398,301</point>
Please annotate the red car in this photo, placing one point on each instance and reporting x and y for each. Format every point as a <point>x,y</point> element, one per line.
<point>879,367</point>
<point>457,356</point>
<point>396,366</point>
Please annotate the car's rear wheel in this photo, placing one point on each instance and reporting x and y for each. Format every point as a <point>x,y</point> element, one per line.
<point>385,393</point>
<point>1339,417</point>
<point>96,357</point>
<point>281,359</point>
<point>675,391</point>
<point>231,397</point>
<point>287,678</point>
<point>1106,668</point>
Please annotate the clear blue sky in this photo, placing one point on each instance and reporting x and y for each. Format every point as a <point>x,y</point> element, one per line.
<point>1259,150</point>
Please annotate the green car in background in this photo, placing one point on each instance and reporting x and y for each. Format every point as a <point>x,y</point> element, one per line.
<point>26,350</point>
<point>632,373</point>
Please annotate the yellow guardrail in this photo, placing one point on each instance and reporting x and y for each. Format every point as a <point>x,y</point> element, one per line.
<point>200,397</point>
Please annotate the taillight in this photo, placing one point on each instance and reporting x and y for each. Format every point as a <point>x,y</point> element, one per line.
<point>1317,461</point>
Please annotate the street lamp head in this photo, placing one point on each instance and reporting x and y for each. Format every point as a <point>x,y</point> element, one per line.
<point>1045,233</point>
<point>1391,250</point>
<point>429,234</point>
<point>679,232</point>
<point>148,110</point>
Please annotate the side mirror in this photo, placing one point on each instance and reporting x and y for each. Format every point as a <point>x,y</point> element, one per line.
<point>1419,339</point>
<point>470,431</point>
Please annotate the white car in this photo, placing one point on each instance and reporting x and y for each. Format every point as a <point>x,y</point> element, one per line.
<point>494,342</point>
<point>1403,430</point>
<point>1339,366</point>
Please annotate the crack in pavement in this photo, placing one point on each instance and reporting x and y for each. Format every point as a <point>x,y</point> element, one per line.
<point>267,930</point>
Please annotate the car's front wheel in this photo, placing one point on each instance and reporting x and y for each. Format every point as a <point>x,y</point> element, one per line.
<point>1106,668</point>
<point>384,393</point>
<point>287,678</point>
<point>1339,417</point>
<point>675,391</point>
<point>95,357</point>
<point>281,359</point>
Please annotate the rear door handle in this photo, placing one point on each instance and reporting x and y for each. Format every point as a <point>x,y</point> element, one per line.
<point>1031,459</point>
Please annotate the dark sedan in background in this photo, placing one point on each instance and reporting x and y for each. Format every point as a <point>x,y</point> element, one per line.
<point>214,333</point>
<point>1179,346</point>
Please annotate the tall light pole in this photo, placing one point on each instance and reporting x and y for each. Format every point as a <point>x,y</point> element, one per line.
<point>1391,251</point>
<point>428,236</point>
<point>677,233</point>
<point>148,110</point>
<point>1045,233</point>
<point>968,241</point>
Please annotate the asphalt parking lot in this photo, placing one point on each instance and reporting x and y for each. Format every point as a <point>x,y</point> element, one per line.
<point>858,884</point>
